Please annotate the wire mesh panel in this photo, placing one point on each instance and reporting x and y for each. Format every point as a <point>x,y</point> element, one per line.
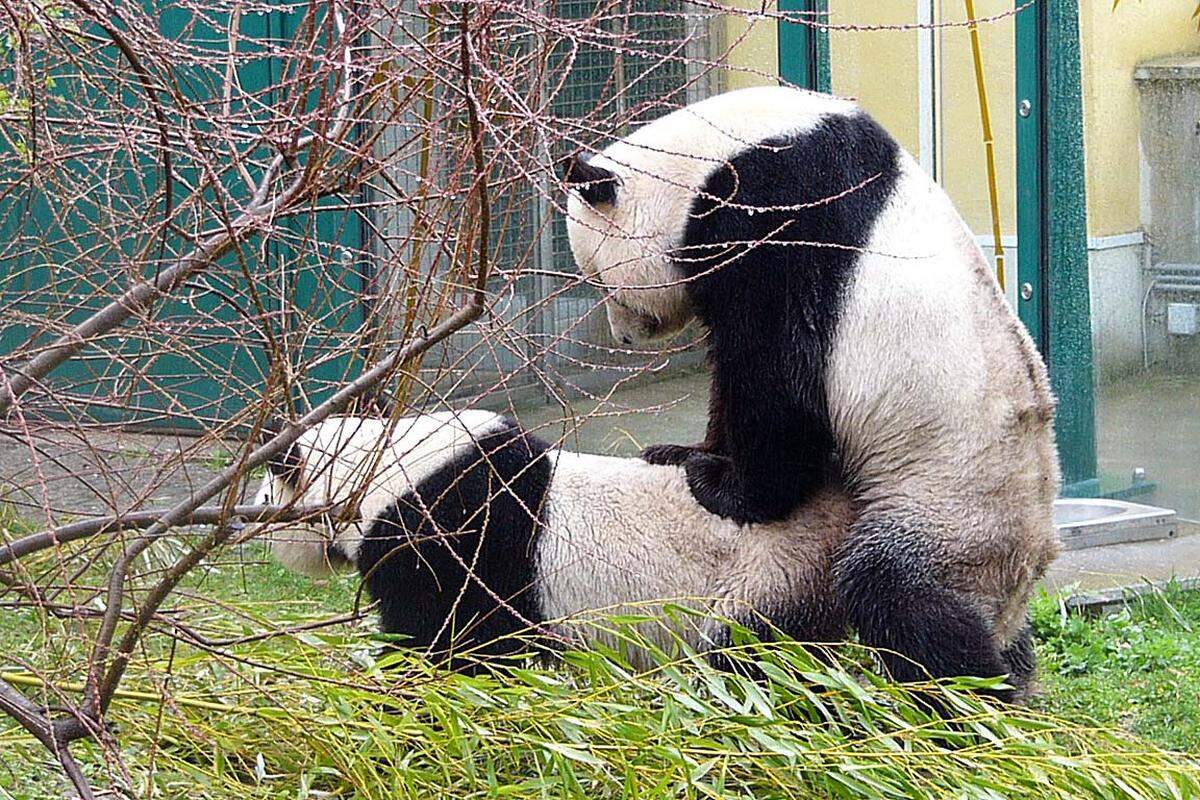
<point>600,69</point>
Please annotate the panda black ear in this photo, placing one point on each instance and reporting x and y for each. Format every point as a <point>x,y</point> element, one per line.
<point>595,184</point>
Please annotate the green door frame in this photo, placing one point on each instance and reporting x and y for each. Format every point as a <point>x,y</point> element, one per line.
<point>803,48</point>
<point>1052,261</point>
<point>1052,265</point>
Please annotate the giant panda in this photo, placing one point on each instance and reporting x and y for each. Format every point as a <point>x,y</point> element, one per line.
<point>848,314</point>
<point>471,531</point>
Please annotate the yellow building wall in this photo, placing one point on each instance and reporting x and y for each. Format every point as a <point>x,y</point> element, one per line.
<point>877,67</point>
<point>749,43</point>
<point>1114,42</point>
<point>880,69</point>
<point>963,161</point>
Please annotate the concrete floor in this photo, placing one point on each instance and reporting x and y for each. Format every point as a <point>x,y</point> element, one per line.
<point>1153,422</point>
<point>673,410</point>
<point>52,475</point>
<point>1096,568</point>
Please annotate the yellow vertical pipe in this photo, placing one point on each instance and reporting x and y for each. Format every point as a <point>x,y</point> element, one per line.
<point>989,146</point>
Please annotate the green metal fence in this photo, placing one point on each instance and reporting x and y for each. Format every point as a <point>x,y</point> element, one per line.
<point>69,236</point>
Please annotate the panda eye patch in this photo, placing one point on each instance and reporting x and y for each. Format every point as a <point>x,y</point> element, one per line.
<point>595,184</point>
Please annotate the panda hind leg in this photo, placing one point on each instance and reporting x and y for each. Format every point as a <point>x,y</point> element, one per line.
<point>887,578</point>
<point>1021,660</point>
<point>814,624</point>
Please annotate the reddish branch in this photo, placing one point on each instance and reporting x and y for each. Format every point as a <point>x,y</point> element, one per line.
<point>140,520</point>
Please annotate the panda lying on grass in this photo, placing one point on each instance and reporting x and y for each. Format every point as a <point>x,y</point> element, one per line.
<point>472,529</point>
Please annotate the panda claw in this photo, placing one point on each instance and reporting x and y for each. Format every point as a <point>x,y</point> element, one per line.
<point>671,455</point>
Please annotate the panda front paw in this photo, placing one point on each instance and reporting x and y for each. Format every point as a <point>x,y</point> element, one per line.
<point>671,455</point>
<point>715,485</point>
<point>720,488</point>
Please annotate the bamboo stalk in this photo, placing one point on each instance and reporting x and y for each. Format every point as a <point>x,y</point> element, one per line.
<point>158,698</point>
<point>989,143</point>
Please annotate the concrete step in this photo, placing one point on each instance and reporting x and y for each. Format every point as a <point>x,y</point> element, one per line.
<point>1116,565</point>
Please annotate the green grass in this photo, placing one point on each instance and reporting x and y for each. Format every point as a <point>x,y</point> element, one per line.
<point>320,713</point>
<point>12,524</point>
<point>1138,668</point>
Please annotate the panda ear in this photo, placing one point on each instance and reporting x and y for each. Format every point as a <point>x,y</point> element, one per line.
<point>595,184</point>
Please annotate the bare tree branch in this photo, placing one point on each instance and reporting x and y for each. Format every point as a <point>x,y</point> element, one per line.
<point>35,721</point>
<point>136,520</point>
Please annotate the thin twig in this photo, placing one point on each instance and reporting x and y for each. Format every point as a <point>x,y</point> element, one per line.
<point>147,84</point>
<point>481,174</point>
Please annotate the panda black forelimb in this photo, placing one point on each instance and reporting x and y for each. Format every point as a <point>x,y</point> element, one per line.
<point>676,455</point>
<point>452,563</point>
<point>772,313</point>
<point>672,455</point>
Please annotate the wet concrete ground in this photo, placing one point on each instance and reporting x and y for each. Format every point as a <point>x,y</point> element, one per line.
<point>1128,564</point>
<point>673,410</point>
<point>1153,422</point>
<point>55,475</point>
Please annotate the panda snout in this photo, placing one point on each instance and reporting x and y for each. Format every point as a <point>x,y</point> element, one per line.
<point>631,326</point>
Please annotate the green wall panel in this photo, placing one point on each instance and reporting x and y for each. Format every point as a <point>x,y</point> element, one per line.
<point>804,49</point>
<point>1052,225</point>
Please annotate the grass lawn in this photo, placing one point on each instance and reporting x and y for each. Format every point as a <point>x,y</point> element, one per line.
<point>1138,668</point>
<point>320,714</point>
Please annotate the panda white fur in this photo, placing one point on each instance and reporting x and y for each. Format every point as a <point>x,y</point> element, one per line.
<point>849,313</point>
<point>549,536</point>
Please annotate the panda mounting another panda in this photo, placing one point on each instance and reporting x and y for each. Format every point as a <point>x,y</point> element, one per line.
<point>879,455</point>
<point>848,314</point>
<point>479,541</point>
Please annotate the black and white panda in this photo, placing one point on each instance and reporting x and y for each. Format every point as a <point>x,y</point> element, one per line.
<point>473,530</point>
<point>849,314</point>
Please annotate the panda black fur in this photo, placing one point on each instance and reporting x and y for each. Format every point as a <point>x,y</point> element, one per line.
<point>849,313</point>
<point>450,508</point>
<point>550,536</point>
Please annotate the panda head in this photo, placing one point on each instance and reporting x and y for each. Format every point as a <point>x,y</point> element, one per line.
<point>630,205</point>
<point>622,247</point>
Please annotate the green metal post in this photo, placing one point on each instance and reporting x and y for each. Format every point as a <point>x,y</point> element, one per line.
<point>803,48</point>
<point>1052,225</point>
<point>1031,289</point>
